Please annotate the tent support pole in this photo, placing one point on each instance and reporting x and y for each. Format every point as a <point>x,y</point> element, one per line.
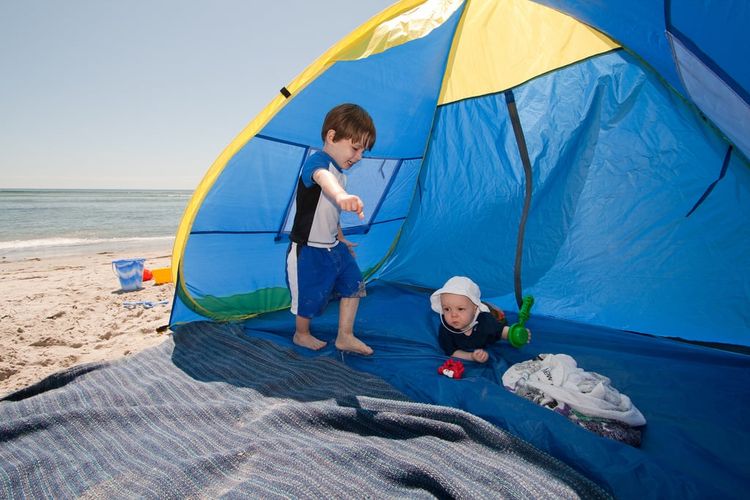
<point>521,142</point>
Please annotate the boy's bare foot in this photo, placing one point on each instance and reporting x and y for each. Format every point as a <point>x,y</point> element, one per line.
<point>308,341</point>
<point>350,343</point>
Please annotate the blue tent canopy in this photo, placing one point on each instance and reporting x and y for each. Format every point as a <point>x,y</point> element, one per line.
<point>591,154</point>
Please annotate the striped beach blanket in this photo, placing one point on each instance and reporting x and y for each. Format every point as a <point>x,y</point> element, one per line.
<point>211,412</point>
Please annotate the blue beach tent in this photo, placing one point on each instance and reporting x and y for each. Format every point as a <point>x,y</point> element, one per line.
<point>591,154</point>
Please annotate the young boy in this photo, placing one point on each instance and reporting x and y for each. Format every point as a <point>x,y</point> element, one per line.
<point>466,323</point>
<point>320,260</point>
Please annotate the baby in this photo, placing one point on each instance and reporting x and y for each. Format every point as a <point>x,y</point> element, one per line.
<point>467,325</point>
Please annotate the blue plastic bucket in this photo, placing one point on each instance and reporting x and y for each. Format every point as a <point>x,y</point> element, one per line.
<point>130,273</point>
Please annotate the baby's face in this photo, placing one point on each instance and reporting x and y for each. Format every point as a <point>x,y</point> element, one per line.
<point>458,310</point>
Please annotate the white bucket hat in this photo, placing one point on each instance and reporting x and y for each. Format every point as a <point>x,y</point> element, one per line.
<point>458,285</point>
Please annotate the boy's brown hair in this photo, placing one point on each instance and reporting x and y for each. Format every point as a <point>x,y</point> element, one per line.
<point>350,121</point>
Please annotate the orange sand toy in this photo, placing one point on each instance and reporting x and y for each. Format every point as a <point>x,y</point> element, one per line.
<point>162,275</point>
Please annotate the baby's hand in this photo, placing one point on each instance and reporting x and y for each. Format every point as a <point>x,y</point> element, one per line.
<point>351,203</point>
<point>480,356</point>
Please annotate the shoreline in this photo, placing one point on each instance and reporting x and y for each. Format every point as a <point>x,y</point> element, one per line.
<point>64,310</point>
<point>51,248</point>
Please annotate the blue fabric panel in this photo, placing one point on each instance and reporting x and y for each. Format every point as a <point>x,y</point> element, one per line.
<point>618,162</point>
<point>227,264</point>
<point>696,400</point>
<point>469,199</point>
<point>400,193</point>
<point>253,190</point>
<point>373,246</point>
<point>631,259</point>
<point>399,88</point>
<point>369,179</point>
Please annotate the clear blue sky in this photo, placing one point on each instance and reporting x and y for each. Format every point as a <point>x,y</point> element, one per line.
<point>147,93</point>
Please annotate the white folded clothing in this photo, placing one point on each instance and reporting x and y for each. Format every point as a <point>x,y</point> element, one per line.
<point>559,377</point>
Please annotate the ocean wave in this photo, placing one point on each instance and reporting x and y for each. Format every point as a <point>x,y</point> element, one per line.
<point>73,242</point>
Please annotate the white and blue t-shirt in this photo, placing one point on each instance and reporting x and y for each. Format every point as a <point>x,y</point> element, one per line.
<point>317,219</point>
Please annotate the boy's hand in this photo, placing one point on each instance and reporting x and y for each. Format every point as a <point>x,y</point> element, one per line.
<point>351,203</point>
<point>350,245</point>
<point>480,356</point>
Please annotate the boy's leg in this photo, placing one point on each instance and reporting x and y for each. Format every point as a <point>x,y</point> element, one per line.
<point>351,287</point>
<point>299,284</point>
<point>345,340</point>
<point>303,337</point>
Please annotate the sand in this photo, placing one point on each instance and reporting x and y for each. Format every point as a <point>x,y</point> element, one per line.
<point>58,312</point>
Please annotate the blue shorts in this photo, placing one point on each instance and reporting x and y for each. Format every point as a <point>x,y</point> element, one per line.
<point>314,274</point>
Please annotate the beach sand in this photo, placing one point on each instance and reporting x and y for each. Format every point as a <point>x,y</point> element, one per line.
<point>58,312</point>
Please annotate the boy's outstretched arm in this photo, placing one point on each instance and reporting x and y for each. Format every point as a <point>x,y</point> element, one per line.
<point>334,191</point>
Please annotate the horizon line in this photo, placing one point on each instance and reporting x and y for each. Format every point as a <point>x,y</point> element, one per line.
<point>91,189</point>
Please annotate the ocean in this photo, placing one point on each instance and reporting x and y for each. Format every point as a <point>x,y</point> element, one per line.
<point>51,222</point>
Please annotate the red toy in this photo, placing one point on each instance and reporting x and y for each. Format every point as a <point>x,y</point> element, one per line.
<point>147,275</point>
<point>452,368</point>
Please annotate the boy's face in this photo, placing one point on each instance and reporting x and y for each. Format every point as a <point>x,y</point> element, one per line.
<point>458,310</point>
<point>346,152</point>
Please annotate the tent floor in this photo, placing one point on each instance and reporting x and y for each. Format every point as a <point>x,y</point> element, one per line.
<point>696,399</point>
